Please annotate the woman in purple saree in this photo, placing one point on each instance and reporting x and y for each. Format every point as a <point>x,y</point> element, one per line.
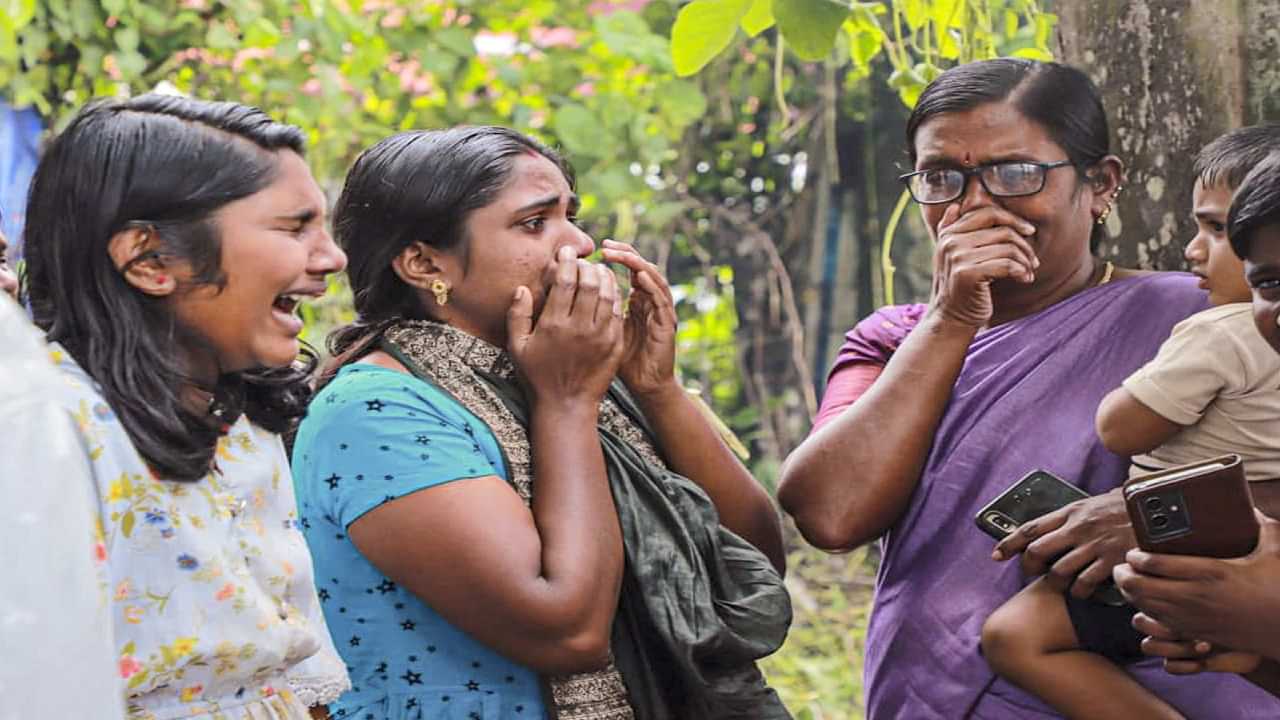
<point>999,375</point>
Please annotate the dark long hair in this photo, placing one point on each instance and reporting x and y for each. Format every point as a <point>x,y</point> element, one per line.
<point>1255,205</point>
<point>1059,98</point>
<point>166,163</point>
<point>418,186</point>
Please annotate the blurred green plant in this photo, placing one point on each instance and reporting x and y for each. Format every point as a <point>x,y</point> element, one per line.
<point>918,38</point>
<point>689,125</point>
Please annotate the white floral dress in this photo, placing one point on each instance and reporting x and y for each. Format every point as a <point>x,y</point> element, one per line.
<point>213,602</point>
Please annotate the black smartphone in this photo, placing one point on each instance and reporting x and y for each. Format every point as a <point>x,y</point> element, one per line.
<point>1038,493</point>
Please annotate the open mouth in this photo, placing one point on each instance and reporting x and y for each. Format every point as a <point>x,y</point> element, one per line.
<point>283,309</point>
<point>285,303</point>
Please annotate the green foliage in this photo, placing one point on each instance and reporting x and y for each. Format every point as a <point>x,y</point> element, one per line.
<point>819,671</point>
<point>667,142</point>
<point>703,29</point>
<point>810,26</point>
<point>919,38</point>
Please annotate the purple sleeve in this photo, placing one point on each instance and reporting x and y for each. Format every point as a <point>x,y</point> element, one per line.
<point>875,339</point>
<point>866,350</point>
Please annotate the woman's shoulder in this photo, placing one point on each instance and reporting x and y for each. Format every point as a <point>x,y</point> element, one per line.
<point>75,385</point>
<point>363,395</point>
<point>889,317</point>
<point>372,387</point>
<point>877,336</point>
<point>1161,297</point>
<point>1159,283</point>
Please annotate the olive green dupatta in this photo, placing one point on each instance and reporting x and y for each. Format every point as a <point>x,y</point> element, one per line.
<point>699,605</point>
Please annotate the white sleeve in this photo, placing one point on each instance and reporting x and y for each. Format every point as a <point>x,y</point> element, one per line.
<point>55,621</point>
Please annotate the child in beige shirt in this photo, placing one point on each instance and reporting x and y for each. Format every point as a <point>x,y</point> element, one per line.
<point>1213,388</point>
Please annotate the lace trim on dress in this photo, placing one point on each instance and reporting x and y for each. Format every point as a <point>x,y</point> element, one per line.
<point>320,690</point>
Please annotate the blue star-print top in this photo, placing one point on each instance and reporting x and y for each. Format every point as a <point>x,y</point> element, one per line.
<point>373,435</point>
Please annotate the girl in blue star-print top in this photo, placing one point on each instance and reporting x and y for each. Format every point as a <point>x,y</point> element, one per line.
<point>469,567</point>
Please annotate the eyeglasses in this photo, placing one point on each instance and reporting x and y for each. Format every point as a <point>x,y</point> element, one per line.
<point>1004,179</point>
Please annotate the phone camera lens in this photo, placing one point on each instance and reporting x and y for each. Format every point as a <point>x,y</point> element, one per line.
<point>1159,521</point>
<point>1154,504</point>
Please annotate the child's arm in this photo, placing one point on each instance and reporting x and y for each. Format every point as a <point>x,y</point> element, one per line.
<point>1127,427</point>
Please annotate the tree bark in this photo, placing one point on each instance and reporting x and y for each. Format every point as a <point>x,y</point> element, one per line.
<point>1174,74</point>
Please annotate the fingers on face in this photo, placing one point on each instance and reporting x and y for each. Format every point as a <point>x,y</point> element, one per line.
<point>590,283</point>
<point>993,262</point>
<point>608,307</point>
<point>520,313</point>
<point>987,217</point>
<point>564,286</point>
<point>957,247</point>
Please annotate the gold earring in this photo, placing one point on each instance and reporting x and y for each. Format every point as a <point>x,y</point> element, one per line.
<point>1106,212</point>
<point>440,289</point>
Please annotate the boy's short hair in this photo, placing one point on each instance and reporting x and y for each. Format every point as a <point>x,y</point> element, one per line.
<point>1229,158</point>
<point>1255,205</point>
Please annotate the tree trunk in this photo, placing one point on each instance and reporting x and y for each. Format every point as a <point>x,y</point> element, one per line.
<point>1174,74</point>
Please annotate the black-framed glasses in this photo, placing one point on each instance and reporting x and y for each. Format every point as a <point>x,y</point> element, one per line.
<point>1003,179</point>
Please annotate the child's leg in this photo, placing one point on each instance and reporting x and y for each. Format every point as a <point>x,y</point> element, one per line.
<point>1030,642</point>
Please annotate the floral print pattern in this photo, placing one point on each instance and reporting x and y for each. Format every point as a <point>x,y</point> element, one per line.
<point>210,583</point>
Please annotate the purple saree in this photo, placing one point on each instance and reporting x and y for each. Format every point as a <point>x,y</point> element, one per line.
<point>1025,399</point>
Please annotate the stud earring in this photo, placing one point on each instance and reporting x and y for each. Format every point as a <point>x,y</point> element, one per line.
<point>440,289</point>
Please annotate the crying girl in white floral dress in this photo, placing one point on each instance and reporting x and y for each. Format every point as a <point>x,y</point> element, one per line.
<point>168,244</point>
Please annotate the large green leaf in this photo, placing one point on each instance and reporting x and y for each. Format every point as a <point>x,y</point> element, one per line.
<point>759,17</point>
<point>810,26</point>
<point>864,45</point>
<point>580,131</point>
<point>702,30</point>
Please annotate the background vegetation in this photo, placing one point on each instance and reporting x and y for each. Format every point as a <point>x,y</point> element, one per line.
<point>750,146</point>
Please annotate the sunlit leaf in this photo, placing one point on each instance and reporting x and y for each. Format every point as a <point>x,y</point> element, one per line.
<point>703,29</point>
<point>810,26</point>
<point>915,12</point>
<point>759,17</point>
<point>864,45</point>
